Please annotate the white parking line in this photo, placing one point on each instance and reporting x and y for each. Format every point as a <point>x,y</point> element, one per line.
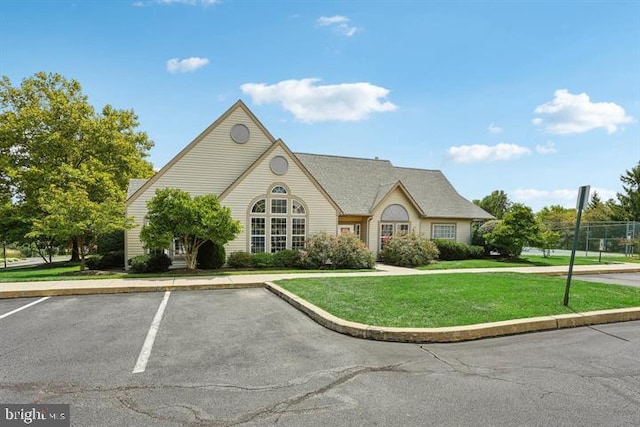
<point>23,307</point>
<point>145,353</point>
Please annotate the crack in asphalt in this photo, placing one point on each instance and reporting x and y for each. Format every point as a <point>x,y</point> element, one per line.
<point>282,407</point>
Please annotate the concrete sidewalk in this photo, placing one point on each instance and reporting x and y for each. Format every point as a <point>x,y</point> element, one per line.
<point>100,286</point>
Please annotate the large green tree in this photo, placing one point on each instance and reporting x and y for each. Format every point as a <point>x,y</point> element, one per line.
<point>174,214</point>
<point>630,197</point>
<point>51,137</point>
<point>497,203</point>
<point>72,215</point>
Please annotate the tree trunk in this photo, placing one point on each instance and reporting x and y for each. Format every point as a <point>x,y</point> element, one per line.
<point>79,244</point>
<point>75,251</point>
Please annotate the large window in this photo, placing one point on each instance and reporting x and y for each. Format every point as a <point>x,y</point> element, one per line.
<point>258,234</point>
<point>277,221</point>
<point>388,229</point>
<point>444,231</point>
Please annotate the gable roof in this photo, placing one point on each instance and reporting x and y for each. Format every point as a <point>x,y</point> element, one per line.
<point>359,185</point>
<point>133,192</point>
<point>386,189</point>
<point>279,144</point>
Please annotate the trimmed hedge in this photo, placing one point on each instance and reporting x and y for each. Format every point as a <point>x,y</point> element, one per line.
<point>450,250</point>
<point>287,259</point>
<point>239,259</point>
<point>262,260</point>
<point>156,263</point>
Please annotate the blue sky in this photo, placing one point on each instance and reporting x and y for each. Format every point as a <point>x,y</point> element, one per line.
<point>535,98</point>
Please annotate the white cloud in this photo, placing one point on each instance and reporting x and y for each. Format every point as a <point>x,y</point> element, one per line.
<point>339,23</point>
<point>176,65</point>
<point>332,20</point>
<point>494,129</point>
<point>548,148</point>
<point>310,102</point>
<point>563,197</point>
<point>486,153</point>
<point>569,113</point>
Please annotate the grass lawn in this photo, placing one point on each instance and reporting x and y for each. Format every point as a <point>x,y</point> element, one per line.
<point>66,271</point>
<point>455,299</point>
<point>524,261</point>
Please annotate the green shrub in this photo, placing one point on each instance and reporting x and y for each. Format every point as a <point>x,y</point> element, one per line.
<point>239,260</point>
<point>476,252</point>
<point>107,261</point>
<point>287,259</point>
<point>155,263</point>
<point>262,260</point>
<point>479,236</point>
<point>318,249</point>
<point>408,250</point>
<point>350,252</point>
<point>450,251</point>
<point>211,256</point>
<point>110,242</point>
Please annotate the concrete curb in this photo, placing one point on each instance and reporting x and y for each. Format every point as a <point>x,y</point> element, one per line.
<point>454,333</point>
<point>588,272</point>
<point>52,292</point>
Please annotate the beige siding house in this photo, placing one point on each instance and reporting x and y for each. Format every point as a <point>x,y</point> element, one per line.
<point>281,198</point>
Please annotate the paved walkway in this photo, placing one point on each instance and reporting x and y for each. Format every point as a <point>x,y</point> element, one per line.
<point>96,286</point>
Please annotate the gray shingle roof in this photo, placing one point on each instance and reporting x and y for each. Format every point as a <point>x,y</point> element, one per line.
<point>357,185</point>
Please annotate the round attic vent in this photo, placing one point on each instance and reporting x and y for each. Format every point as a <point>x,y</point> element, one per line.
<point>240,133</point>
<point>279,165</point>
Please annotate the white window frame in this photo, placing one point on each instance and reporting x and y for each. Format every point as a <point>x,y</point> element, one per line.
<point>273,242</point>
<point>438,234</point>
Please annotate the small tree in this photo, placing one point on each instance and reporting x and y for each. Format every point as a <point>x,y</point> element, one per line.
<point>518,227</point>
<point>546,240</point>
<point>173,213</point>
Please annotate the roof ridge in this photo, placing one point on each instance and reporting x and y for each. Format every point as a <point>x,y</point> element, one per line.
<point>417,169</point>
<point>343,157</point>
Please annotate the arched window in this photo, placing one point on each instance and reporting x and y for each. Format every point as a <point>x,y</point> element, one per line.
<point>395,213</point>
<point>394,220</point>
<point>277,221</point>
<point>259,206</point>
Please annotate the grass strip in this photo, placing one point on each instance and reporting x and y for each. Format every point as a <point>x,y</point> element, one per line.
<point>525,261</point>
<point>455,299</point>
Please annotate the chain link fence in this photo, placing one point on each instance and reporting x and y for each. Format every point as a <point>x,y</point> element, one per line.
<point>620,237</point>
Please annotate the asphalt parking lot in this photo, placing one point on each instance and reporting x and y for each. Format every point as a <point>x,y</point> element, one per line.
<point>245,357</point>
<point>627,279</point>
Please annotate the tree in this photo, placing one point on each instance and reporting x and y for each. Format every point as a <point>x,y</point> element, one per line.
<point>174,214</point>
<point>51,136</point>
<point>630,199</point>
<point>518,227</point>
<point>497,203</point>
<point>72,215</point>
<point>597,210</point>
<point>546,240</point>
<point>560,219</point>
